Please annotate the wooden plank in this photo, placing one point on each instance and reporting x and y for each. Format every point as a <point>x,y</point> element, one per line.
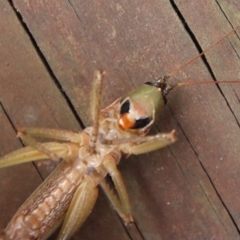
<point>30,98</point>
<point>186,191</point>
<point>15,183</point>
<point>221,161</point>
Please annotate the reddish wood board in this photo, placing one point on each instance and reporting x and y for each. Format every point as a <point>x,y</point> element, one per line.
<point>48,53</point>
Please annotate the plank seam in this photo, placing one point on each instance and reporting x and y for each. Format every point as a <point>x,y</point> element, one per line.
<point>47,66</point>
<point>203,57</point>
<point>209,178</point>
<point>15,129</point>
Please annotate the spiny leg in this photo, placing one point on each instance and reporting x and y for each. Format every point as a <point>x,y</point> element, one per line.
<point>28,154</point>
<point>146,144</point>
<point>80,207</point>
<point>57,134</point>
<point>113,198</point>
<point>121,202</point>
<point>37,145</point>
<point>143,144</point>
<point>95,108</point>
<point>39,151</point>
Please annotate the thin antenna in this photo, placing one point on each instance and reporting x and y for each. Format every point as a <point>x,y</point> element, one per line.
<point>205,82</point>
<point>199,55</point>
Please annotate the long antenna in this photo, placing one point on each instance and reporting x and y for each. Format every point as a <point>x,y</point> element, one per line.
<point>205,82</point>
<point>199,55</point>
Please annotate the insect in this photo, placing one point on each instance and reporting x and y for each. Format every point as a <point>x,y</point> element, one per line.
<point>87,159</point>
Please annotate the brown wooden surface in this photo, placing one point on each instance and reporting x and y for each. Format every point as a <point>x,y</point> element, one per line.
<point>48,53</point>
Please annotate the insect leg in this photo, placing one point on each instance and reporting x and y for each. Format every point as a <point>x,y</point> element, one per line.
<point>95,108</point>
<point>148,143</point>
<point>41,148</point>
<point>57,134</point>
<point>81,206</point>
<point>29,154</point>
<point>121,202</point>
<point>39,151</point>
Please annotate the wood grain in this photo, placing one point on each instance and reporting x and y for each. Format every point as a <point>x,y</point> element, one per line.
<point>189,190</point>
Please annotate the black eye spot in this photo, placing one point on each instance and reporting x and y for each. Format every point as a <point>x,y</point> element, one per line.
<point>141,123</point>
<point>125,107</point>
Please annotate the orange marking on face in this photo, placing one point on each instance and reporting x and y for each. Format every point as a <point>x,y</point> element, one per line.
<point>126,121</point>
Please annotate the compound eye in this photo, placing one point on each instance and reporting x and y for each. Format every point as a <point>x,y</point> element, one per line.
<point>141,123</point>
<point>125,107</point>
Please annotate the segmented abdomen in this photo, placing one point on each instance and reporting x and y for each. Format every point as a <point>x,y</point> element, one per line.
<point>47,205</point>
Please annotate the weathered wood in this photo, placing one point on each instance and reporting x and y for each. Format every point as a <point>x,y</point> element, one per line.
<point>16,185</point>
<point>186,191</point>
<point>30,98</point>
